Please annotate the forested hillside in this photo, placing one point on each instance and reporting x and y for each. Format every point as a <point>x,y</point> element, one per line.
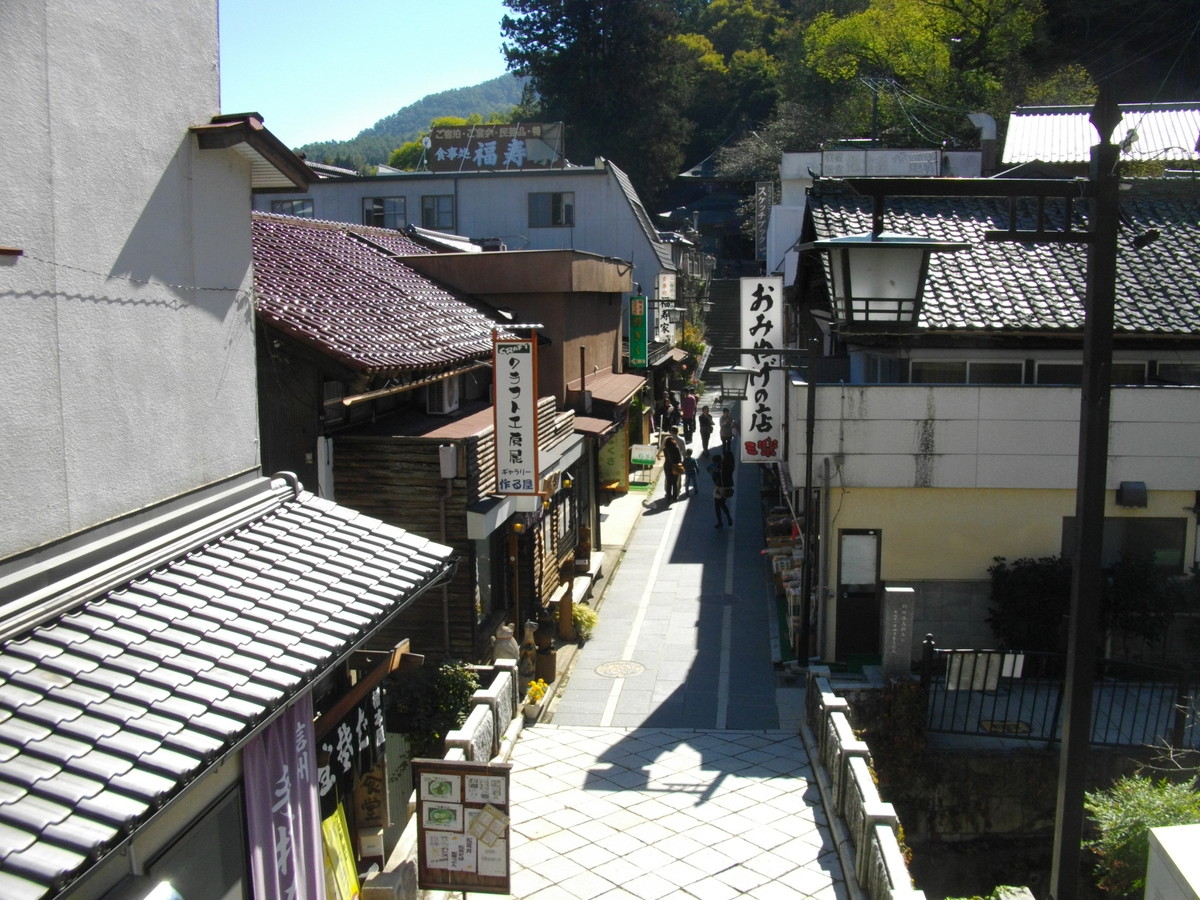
<point>373,145</point>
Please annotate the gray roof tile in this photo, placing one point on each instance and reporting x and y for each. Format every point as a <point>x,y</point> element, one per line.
<point>1025,289</point>
<point>108,711</point>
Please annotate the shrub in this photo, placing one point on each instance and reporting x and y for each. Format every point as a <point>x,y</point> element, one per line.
<point>1030,597</point>
<point>1124,815</point>
<point>426,704</point>
<point>584,618</point>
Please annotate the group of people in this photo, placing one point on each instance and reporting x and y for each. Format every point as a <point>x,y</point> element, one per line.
<point>679,463</point>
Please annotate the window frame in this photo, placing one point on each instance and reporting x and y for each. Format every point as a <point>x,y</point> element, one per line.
<point>288,207</point>
<point>379,216</point>
<point>551,209</point>
<point>437,212</point>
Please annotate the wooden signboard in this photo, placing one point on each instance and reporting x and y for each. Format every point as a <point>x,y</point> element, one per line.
<point>463,837</point>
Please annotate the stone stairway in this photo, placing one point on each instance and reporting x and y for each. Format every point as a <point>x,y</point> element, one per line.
<point>721,328</point>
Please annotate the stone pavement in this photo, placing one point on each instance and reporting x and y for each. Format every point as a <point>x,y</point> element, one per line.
<point>668,763</point>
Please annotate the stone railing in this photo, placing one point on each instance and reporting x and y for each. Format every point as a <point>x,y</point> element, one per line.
<point>870,823</point>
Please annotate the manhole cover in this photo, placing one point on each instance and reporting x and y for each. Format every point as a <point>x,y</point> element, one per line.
<point>622,668</point>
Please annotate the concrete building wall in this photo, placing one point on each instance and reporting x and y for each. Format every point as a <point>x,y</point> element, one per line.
<point>135,267</point>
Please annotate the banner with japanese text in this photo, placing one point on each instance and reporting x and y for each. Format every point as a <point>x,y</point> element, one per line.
<point>638,340</point>
<point>515,366</point>
<point>763,412</point>
<point>287,857</point>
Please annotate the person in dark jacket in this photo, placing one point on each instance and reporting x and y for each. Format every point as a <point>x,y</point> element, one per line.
<point>672,463</point>
<point>721,470</point>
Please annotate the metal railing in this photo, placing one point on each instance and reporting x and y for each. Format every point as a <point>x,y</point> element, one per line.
<point>1006,694</point>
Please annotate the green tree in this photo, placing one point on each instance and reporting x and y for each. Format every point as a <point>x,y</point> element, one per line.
<point>612,73</point>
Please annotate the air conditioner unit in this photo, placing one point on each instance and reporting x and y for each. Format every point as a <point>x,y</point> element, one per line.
<point>441,397</point>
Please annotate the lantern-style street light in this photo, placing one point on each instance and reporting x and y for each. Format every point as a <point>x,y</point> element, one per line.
<point>735,381</point>
<point>878,278</point>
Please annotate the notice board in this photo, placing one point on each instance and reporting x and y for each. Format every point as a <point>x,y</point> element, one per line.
<point>463,838</point>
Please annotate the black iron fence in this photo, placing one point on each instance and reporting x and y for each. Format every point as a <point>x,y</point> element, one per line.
<point>1001,693</point>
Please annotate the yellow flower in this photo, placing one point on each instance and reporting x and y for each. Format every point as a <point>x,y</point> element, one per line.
<point>537,690</point>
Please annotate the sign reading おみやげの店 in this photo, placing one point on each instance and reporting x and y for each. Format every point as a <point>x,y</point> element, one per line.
<point>762,330</point>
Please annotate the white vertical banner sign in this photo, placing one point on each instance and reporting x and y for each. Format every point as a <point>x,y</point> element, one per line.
<point>515,365</point>
<point>763,411</point>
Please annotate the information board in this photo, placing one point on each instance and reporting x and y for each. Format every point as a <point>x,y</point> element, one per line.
<point>463,836</point>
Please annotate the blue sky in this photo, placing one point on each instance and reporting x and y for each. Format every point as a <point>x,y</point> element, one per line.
<point>325,71</point>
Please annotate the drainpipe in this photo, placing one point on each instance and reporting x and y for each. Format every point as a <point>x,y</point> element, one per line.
<point>448,463</point>
<point>823,572</point>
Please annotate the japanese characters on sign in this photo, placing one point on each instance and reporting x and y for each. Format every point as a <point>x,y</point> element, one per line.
<point>463,825</point>
<point>470,148</point>
<point>762,329</point>
<point>638,346</point>
<point>281,806</point>
<point>515,366</point>
<point>350,750</point>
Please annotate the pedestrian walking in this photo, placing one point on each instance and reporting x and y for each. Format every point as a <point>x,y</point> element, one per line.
<point>687,414</point>
<point>726,431</point>
<point>690,469</point>
<point>721,470</point>
<point>705,421</point>
<point>672,463</point>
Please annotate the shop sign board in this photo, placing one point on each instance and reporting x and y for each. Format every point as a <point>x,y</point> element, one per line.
<point>643,454</point>
<point>638,345</point>
<point>515,410</point>
<point>463,833</point>
<point>762,330</point>
<point>509,147</point>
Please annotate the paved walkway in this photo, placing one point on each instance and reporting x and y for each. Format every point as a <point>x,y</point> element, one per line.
<point>668,764</point>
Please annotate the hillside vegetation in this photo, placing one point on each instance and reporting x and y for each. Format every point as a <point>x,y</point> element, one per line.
<point>372,146</point>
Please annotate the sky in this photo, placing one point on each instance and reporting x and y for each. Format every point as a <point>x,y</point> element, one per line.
<point>320,71</point>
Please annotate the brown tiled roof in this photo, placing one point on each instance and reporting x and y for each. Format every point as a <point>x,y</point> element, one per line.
<point>1026,288</point>
<point>340,289</point>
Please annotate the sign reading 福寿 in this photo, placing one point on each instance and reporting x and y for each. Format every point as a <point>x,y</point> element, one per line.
<point>515,409</point>
<point>472,148</point>
<point>762,412</point>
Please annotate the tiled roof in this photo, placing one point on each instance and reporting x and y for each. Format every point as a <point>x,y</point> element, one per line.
<point>340,289</point>
<point>109,710</point>
<point>1040,288</point>
<point>1168,132</point>
<point>661,248</point>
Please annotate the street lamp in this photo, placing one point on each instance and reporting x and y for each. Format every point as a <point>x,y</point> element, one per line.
<point>878,278</point>
<point>735,382</point>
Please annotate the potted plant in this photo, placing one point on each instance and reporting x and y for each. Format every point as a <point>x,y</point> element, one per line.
<point>534,696</point>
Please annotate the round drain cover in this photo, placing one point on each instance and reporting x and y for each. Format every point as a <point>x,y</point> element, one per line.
<point>622,668</point>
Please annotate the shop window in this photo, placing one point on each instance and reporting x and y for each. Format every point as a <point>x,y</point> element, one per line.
<point>1159,538</point>
<point>385,212</point>
<point>552,210</point>
<point>303,208</point>
<point>208,861</point>
<point>437,212</point>
<point>1072,373</point>
<point>994,372</point>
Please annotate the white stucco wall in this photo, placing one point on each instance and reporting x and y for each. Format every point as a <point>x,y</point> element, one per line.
<point>126,331</point>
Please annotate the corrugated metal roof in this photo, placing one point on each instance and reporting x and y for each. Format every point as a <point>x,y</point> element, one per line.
<point>1040,288</point>
<point>1166,132</point>
<point>109,710</point>
<point>340,289</point>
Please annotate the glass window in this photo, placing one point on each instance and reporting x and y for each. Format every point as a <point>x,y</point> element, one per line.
<point>1160,538</point>
<point>437,211</point>
<point>1128,373</point>
<point>1179,373</point>
<point>385,212</point>
<point>208,862</point>
<point>996,372</point>
<point>928,371</point>
<point>1059,373</point>
<point>552,210</point>
<point>303,207</point>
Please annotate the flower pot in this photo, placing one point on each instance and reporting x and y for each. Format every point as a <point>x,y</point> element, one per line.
<point>532,711</point>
